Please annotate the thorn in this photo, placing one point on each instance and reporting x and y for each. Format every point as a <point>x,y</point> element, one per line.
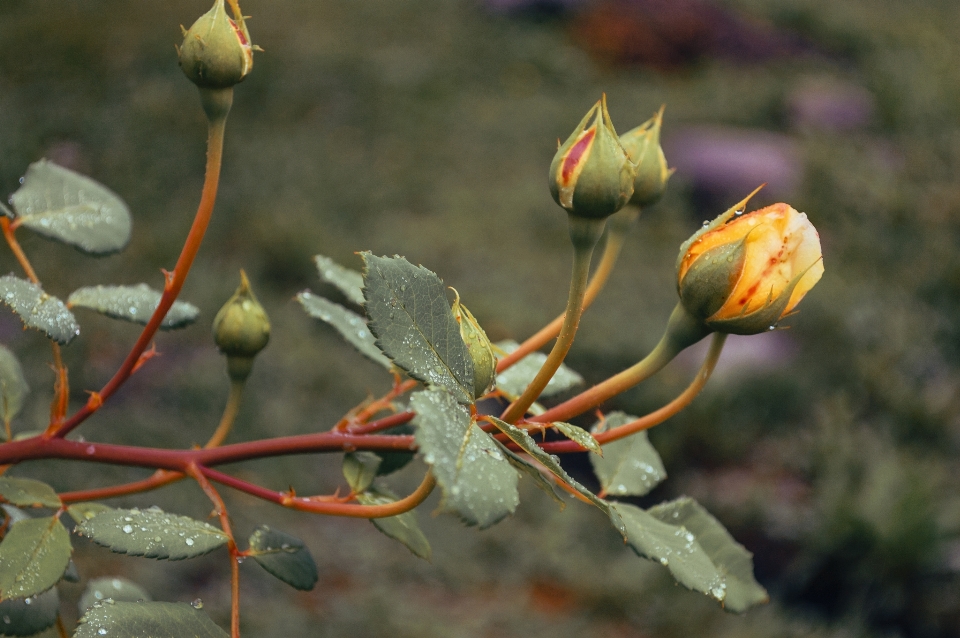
<point>146,356</point>
<point>95,400</point>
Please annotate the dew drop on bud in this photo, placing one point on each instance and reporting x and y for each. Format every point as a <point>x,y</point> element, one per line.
<point>196,603</point>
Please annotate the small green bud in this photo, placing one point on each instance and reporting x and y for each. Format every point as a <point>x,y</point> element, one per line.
<point>216,52</point>
<point>643,146</point>
<point>241,329</point>
<point>591,175</point>
<point>479,347</point>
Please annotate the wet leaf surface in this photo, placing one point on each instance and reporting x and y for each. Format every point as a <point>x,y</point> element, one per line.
<point>285,557</point>
<point>24,492</point>
<point>346,280</point>
<point>402,527</point>
<point>515,379</point>
<point>13,385</point>
<point>349,324</point>
<point>33,556</point>
<point>116,588</point>
<point>630,466</point>
<point>153,619</point>
<point>152,533</point>
<point>29,616</point>
<point>132,303</point>
<point>39,310</point>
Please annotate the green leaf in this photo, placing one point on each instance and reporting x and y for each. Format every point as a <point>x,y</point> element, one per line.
<point>151,619</point>
<point>533,472</point>
<point>350,325</point>
<point>414,325</point>
<point>579,436</point>
<point>360,468</point>
<point>24,492</point>
<point>152,533</point>
<point>71,574</point>
<point>630,466</point>
<point>477,481</point>
<point>402,527</point>
<point>673,546</point>
<point>71,208</point>
<point>13,385</point>
<point>285,557</point>
<point>132,303</point>
<point>390,462</point>
<point>116,588</point>
<point>731,559</point>
<point>549,461</point>
<point>349,282</point>
<point>515,379</point>
<point>38,310</point>
<point>29,616</point>
<point>33,556</point>
<point>81,512</point>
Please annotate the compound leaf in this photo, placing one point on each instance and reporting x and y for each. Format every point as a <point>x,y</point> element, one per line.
<point>71,208</point>
<point>132,303</point>
<point>579,436</point>
<point>81,512</point>
<point>285,557</point>
<point>24,492</point>
<point>477,481</point>
<point>350,325</point>
<point>673,546</point>
<point>156,620</point>
<point>152,533</point>
<point>38,310</point>
<point>630,466</point>
<point>402,527</point>
<point>115,588</point>
<point>515,379</point>
<point>33,556</point>
<point>13,385</point>
<point>29,616</point>
<point>346,280</point>
<point>731,559</point>
<point>414,325</point>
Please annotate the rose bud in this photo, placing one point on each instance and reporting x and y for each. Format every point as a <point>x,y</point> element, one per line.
<point>591,175</point>
<point>742,274</point>
<point>216,51</point>
<point>642,145</point>
<point>478,345</point>
<point>241,329</point>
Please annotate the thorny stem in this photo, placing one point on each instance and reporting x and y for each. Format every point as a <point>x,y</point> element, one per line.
<point>175,279</point>
<point>616,235</point>
<point>220,509</point>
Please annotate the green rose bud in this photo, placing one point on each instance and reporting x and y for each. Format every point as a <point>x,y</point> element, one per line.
<point>479,347</point>
<point>216,52</point>
<point>241,329</point>
<point>591,176</point>
<point>642,144</point>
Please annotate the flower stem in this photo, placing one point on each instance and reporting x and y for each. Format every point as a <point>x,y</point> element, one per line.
<point>229,415</point>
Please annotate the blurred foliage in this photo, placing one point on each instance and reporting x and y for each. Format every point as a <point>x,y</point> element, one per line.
<point>425,127</point>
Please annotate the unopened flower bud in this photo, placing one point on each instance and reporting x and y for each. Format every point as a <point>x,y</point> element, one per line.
<point>741,274</point>
<point>591,175</point>
<point>479,347</point>
<point>241,329</point>
<point>642,145</point>
<point>216,52</point>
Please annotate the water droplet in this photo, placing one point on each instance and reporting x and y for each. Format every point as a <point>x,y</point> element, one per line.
<point>127,529</point>
<point>189,541</point>
<point>28,601</point>
<point>196,603</point>
<point>91,449</point>
<point>102,631</point>
<point>771,328</point>
<point>6,620</point>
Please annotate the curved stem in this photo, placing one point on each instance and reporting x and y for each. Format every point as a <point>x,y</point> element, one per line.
<point>658,416</point>
<point>616,235</point>
<point>174,280</point>
<point>229,415</point>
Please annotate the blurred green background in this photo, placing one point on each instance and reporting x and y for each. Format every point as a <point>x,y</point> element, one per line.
<point>424,128</point>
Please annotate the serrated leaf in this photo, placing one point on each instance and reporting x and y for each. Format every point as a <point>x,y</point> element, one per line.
<point>402,527</point>
<point>731,559</point>
<point>533,472</point>
<point>13,385</point>
<point>477,481</point>
<point>346,280</point>
<point>410,316</point>
<point>24,492</point>
<point>68,207</point>
<point>156,620</point>
<point>630,466</point>
<point>360,468</point>
<point>579,436</point>
<point>152,533</point>
<point>81,512</point>
<point>350,325</point>
<point>29,616</point>
<point>132,303</point>
<point>33,556</point>
<point>115,588</point>
<point>549,461</point>
<point>673,546</point>
<point>515,379</point>
<point>285,557</point>
<point>39,310</point>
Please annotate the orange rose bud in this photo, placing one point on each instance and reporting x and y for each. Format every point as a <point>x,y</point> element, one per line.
<point>591,176</point>
<point>742,274</point>
<point>642,145</point>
